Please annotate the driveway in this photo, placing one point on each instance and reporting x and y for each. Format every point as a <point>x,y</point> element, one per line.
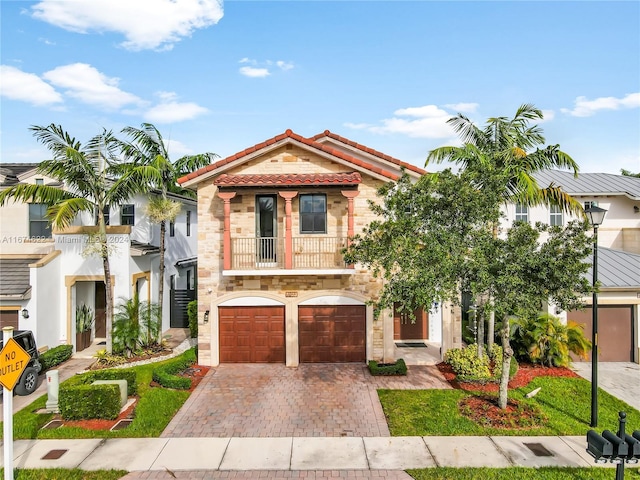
<point>312,400</point>
<point>620,379</point>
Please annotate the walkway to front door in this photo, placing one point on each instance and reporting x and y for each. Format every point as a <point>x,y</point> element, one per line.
<point>272,400</point>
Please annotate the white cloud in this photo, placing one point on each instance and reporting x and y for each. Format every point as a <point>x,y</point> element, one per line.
<point>284,65</point>
<point>171,111</point>
<point>586,108</point>
<point>145,24</point>
<point>463,107</point>
<point>254,72</point>
<point>547,115</point>
<point>177,149</point>
<point>87,84</point>
<point>27,87</point>
<point>427,121</point>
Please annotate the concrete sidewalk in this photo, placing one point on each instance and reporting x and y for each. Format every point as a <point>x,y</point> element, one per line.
<point>300,453</point>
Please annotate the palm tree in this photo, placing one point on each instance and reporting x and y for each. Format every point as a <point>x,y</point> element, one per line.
<point>147,161</point>
<point>85,171</point>
<point>516,149</point>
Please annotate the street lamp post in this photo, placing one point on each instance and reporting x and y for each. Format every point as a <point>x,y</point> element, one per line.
<point>596,217</point>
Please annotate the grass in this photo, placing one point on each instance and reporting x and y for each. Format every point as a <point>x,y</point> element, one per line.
<point>521,473</point>
<point>156,407</point>
<point>63,474</point>
<point>564,402</point>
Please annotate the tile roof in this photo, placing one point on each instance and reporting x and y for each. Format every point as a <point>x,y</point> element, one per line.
<point>368,150</point>
<point>591,183</point>
<point>14,277</point>
<point>288,180</point>
<point>289,134</point>
<point>616,269</point>
<point>11,171</point>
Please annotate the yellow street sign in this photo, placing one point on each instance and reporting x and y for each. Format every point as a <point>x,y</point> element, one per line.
<point>13,361</point>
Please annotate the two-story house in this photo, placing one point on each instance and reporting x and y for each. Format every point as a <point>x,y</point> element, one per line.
<point>272,283</point>
<point>618,255</point>
<point>46,273</point>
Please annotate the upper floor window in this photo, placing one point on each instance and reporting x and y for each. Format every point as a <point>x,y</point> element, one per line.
<point>39,181</point>
<point>172,229</point>
<point>313,213</point>
<point>127,215</point>
<point>590,204</point>
<point>38,224</point>
<point>522,213</point>
<point>105,214</point>
<point>555,215</point>
<point>188,223</point>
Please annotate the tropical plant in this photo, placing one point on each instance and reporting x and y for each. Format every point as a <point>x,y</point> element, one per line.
<point>512,147</point>
<point>136,325</point>
<point>628,173</point>
<point>544,339</point>
<point>84,318</point>
<point>86,173</point>
<point>147,161</point>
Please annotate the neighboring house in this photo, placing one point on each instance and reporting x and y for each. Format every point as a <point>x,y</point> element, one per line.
<point>618,255</point>
<point>45,274</point>
<point>272,282</point>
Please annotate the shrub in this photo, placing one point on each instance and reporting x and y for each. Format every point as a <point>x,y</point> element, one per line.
<point>166,376</point>
<point>120,374</point>
<point>55,356</point>
<point>467,365</point>
<point>547,341</point>
<point>192,314</point>
<point>397,368</point>
<point>79,402</point>
<point>135,324</point>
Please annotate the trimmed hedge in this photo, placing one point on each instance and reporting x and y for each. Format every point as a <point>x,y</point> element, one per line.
<point>398,368</point>
<point>55,356</point>
<point>112,374</point>
<point>166,376</point>
<point>78,402</point>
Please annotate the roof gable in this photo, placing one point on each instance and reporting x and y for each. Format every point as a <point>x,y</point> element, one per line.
<point>384,172</point>
<point>591,184</point>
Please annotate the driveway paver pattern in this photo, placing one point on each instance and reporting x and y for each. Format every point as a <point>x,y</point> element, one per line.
<point>311,400</point>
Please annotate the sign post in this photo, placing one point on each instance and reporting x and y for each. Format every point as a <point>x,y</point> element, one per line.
<point>13,361</point>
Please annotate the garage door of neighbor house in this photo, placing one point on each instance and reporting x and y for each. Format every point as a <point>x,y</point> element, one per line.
<point>615,331</point>
<point>9,318</point>
<point>251,334</point>
<point>332,333</point>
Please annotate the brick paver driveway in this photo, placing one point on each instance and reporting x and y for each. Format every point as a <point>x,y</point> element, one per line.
<point>262,400</point>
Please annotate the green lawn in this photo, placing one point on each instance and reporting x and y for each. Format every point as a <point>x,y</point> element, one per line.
<point>155,409</point>
<point>564,402</point>
<point>520,473</point>
<point>62,474</point>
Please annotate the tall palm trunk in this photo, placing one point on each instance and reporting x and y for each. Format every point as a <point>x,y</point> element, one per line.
<point>507,353</point>
<point>109,300</point>
<point>163,229</point>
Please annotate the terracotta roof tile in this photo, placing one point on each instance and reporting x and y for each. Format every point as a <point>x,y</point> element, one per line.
<point>286,180</point>
<point>370,151</point>
<point>307,141</point>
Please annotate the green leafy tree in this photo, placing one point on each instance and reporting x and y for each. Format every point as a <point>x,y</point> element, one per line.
<point>146,159</point>
<point>86,173</point>
<point>515,148</point>
<point>628,173</point>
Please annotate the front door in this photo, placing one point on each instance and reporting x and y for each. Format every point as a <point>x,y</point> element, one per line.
<point>266,228</point>
<point>406,328</point>
<point>100,304</point>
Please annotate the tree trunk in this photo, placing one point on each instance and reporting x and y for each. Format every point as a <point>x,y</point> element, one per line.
<point>507,353</point>
<point>163,225</point>
<point>491,332</point>
<point>109,294</point>
<point>480,327</point>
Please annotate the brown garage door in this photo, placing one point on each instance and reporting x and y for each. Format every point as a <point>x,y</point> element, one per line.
<point>332,333</point>
<point>615,331</point>
<point>251,334</point>
<point>9,318</point>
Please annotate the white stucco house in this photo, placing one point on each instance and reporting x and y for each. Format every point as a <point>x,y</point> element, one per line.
<point>45,274</point>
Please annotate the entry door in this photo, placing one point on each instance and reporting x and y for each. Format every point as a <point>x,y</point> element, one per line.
<point>100,304</point>
<point>266,228</point>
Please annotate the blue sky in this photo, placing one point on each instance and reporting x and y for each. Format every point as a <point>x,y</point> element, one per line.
<point>388,74</point>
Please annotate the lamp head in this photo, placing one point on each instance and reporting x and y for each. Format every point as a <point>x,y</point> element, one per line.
<point>595,215</point>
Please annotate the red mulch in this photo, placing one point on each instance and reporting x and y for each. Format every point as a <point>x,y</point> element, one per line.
<point>524,375</point>
<point>195,372</point>
<point>485,412</point>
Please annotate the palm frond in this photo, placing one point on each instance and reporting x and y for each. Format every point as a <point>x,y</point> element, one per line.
<point>62,214</point>
<point>35,194</point>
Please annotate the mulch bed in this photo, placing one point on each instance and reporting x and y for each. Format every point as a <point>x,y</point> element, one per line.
<point>524,375</point>
<point>484,410</point>
<point>195,372</point>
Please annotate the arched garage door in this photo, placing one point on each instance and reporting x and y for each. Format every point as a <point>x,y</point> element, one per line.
<point>251,334</point>
<point>615,331</point>
<point>332,333</point>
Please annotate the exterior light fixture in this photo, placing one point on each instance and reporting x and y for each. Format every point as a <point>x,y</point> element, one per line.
<point>25,313</point>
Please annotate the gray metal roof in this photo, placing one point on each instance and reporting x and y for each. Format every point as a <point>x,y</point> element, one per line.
<point>591,183</point>
<point>616,269</point>
<point>14,277</point>
<point>11,171</point>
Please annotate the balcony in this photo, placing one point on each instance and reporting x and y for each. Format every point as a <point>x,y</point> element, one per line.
<point>267,256</point>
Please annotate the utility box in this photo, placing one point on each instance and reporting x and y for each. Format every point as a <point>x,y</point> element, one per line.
<point>53,386</point>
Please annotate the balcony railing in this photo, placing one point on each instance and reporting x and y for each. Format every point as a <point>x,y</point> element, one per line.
<point>269,253</point>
